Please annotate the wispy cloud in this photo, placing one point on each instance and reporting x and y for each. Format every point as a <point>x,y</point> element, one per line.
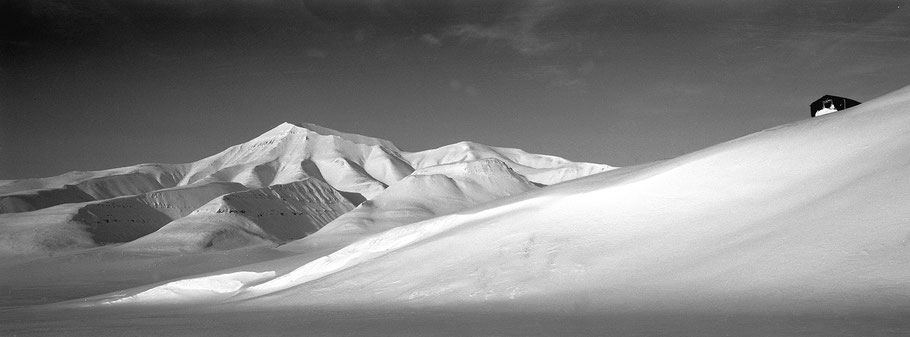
<point>518,29</point>
<point>430,39</point>
<point>467,89</point>
<point>561,76</point>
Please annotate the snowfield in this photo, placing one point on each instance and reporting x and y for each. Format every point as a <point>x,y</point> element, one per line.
<point>809,219</point>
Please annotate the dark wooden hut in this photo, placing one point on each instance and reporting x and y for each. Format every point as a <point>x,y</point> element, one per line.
<point>828,104</point>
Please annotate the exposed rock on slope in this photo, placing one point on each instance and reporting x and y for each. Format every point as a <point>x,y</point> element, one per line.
<point>177,202</point>
<point>77,226</point>
<point>273,214</point>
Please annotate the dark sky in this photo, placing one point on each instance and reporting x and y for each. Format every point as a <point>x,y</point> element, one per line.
<point>98,84</point>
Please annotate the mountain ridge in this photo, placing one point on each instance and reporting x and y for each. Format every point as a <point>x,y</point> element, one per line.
<point>358,167</point>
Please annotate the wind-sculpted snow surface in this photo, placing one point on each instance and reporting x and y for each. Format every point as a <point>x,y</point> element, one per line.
<point>810,217</point>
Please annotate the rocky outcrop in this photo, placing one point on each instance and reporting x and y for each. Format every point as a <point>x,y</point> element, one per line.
<point>178,202</point>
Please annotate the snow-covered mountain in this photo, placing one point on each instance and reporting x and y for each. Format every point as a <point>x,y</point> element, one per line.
<point>284,184</point>
<point>810,217</point>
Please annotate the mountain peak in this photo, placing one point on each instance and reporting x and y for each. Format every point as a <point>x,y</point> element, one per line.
<point>287,128</point>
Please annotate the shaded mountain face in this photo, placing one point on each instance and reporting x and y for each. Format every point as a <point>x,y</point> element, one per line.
<point>277,214</point>
<point>424,194</point>
<point>267,189</point>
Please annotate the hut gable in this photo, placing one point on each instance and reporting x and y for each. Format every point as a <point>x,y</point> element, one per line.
<point>828,104</point>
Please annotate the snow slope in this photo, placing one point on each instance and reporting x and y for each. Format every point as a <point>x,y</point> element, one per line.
<point>811,216</point>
